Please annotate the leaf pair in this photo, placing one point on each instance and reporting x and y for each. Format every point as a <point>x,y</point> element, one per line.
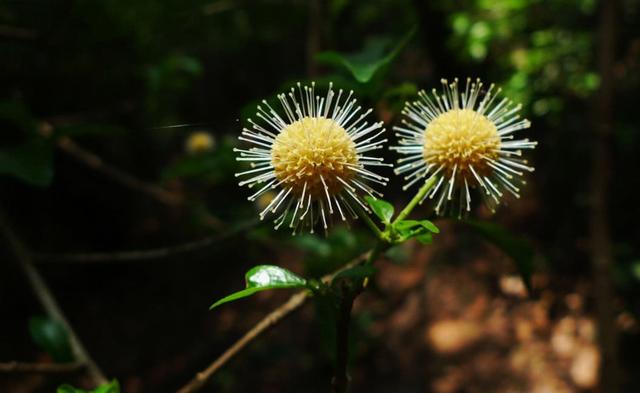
<point>402,230</point>
<point>421,230</point>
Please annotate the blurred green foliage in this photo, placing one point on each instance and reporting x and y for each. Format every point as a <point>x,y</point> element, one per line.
<point>111,387</point>
<point>51,336</point>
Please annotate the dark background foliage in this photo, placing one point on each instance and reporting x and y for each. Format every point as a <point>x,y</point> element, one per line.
<point>131,82</point>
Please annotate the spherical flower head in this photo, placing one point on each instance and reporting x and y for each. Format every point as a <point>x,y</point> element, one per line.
<point>465,140</point>
<point>314,156</point>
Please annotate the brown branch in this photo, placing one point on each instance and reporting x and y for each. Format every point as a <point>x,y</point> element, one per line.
<point>136,255</point>
<point>48,301</point>
<point>275,316</point>
<point>90,159</point>
<point>40,368</point>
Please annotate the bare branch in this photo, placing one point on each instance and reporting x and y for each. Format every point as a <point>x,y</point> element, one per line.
<point>275,316</point>
<point>137,255</point>
<point>49,303</point>
<point>90,159</point>
<point>40,368</point>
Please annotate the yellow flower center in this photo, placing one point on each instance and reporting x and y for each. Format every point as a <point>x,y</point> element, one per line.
<point>460,139</point>
<point>314,151</point>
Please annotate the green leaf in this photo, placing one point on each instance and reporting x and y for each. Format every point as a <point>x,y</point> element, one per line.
<point>426,224</point>
<point>111,387</point>
<point>262,278</point>
<point>52,337</point>
<point>360,271</point>
<point>381,208</point>
<point>365,64</point>
<point>518,248</point>
<point>421,230</point>
<point>31,162</point>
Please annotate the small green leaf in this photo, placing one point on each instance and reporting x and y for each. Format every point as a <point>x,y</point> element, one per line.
<point>421,230</point>
<point>52,337</point>
<point>31,162</point>
<point>426,224</point>
<point>360,271</point>
<point>366,63</point>
<point>518,248</point>
<point>381,208</point>
<point>262,278</point>
<point>111,387</point>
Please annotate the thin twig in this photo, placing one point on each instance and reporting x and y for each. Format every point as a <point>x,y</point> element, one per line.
<point>40,368</point>
<point>67,145</point>
<point>139,255</point>
<point>275,316</point>
<point>49,303</point>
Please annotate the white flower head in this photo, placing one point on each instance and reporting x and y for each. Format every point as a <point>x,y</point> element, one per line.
<point>315,157</point>
<point>465,139</point>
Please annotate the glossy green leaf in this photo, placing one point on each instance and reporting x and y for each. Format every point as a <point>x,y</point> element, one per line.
<point>52,337</point>
<point>518,248</point>
<point>111,387</point>
<point>365,64</point>
<point>360,271</point>
<point>262,278</point>
<point>381,208</point>
<point>31,162</point>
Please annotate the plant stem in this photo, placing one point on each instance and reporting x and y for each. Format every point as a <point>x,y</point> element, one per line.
<point>341,379</point>
<point>367,219</point>
<point>428,184</point>
<point>349,293</point>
